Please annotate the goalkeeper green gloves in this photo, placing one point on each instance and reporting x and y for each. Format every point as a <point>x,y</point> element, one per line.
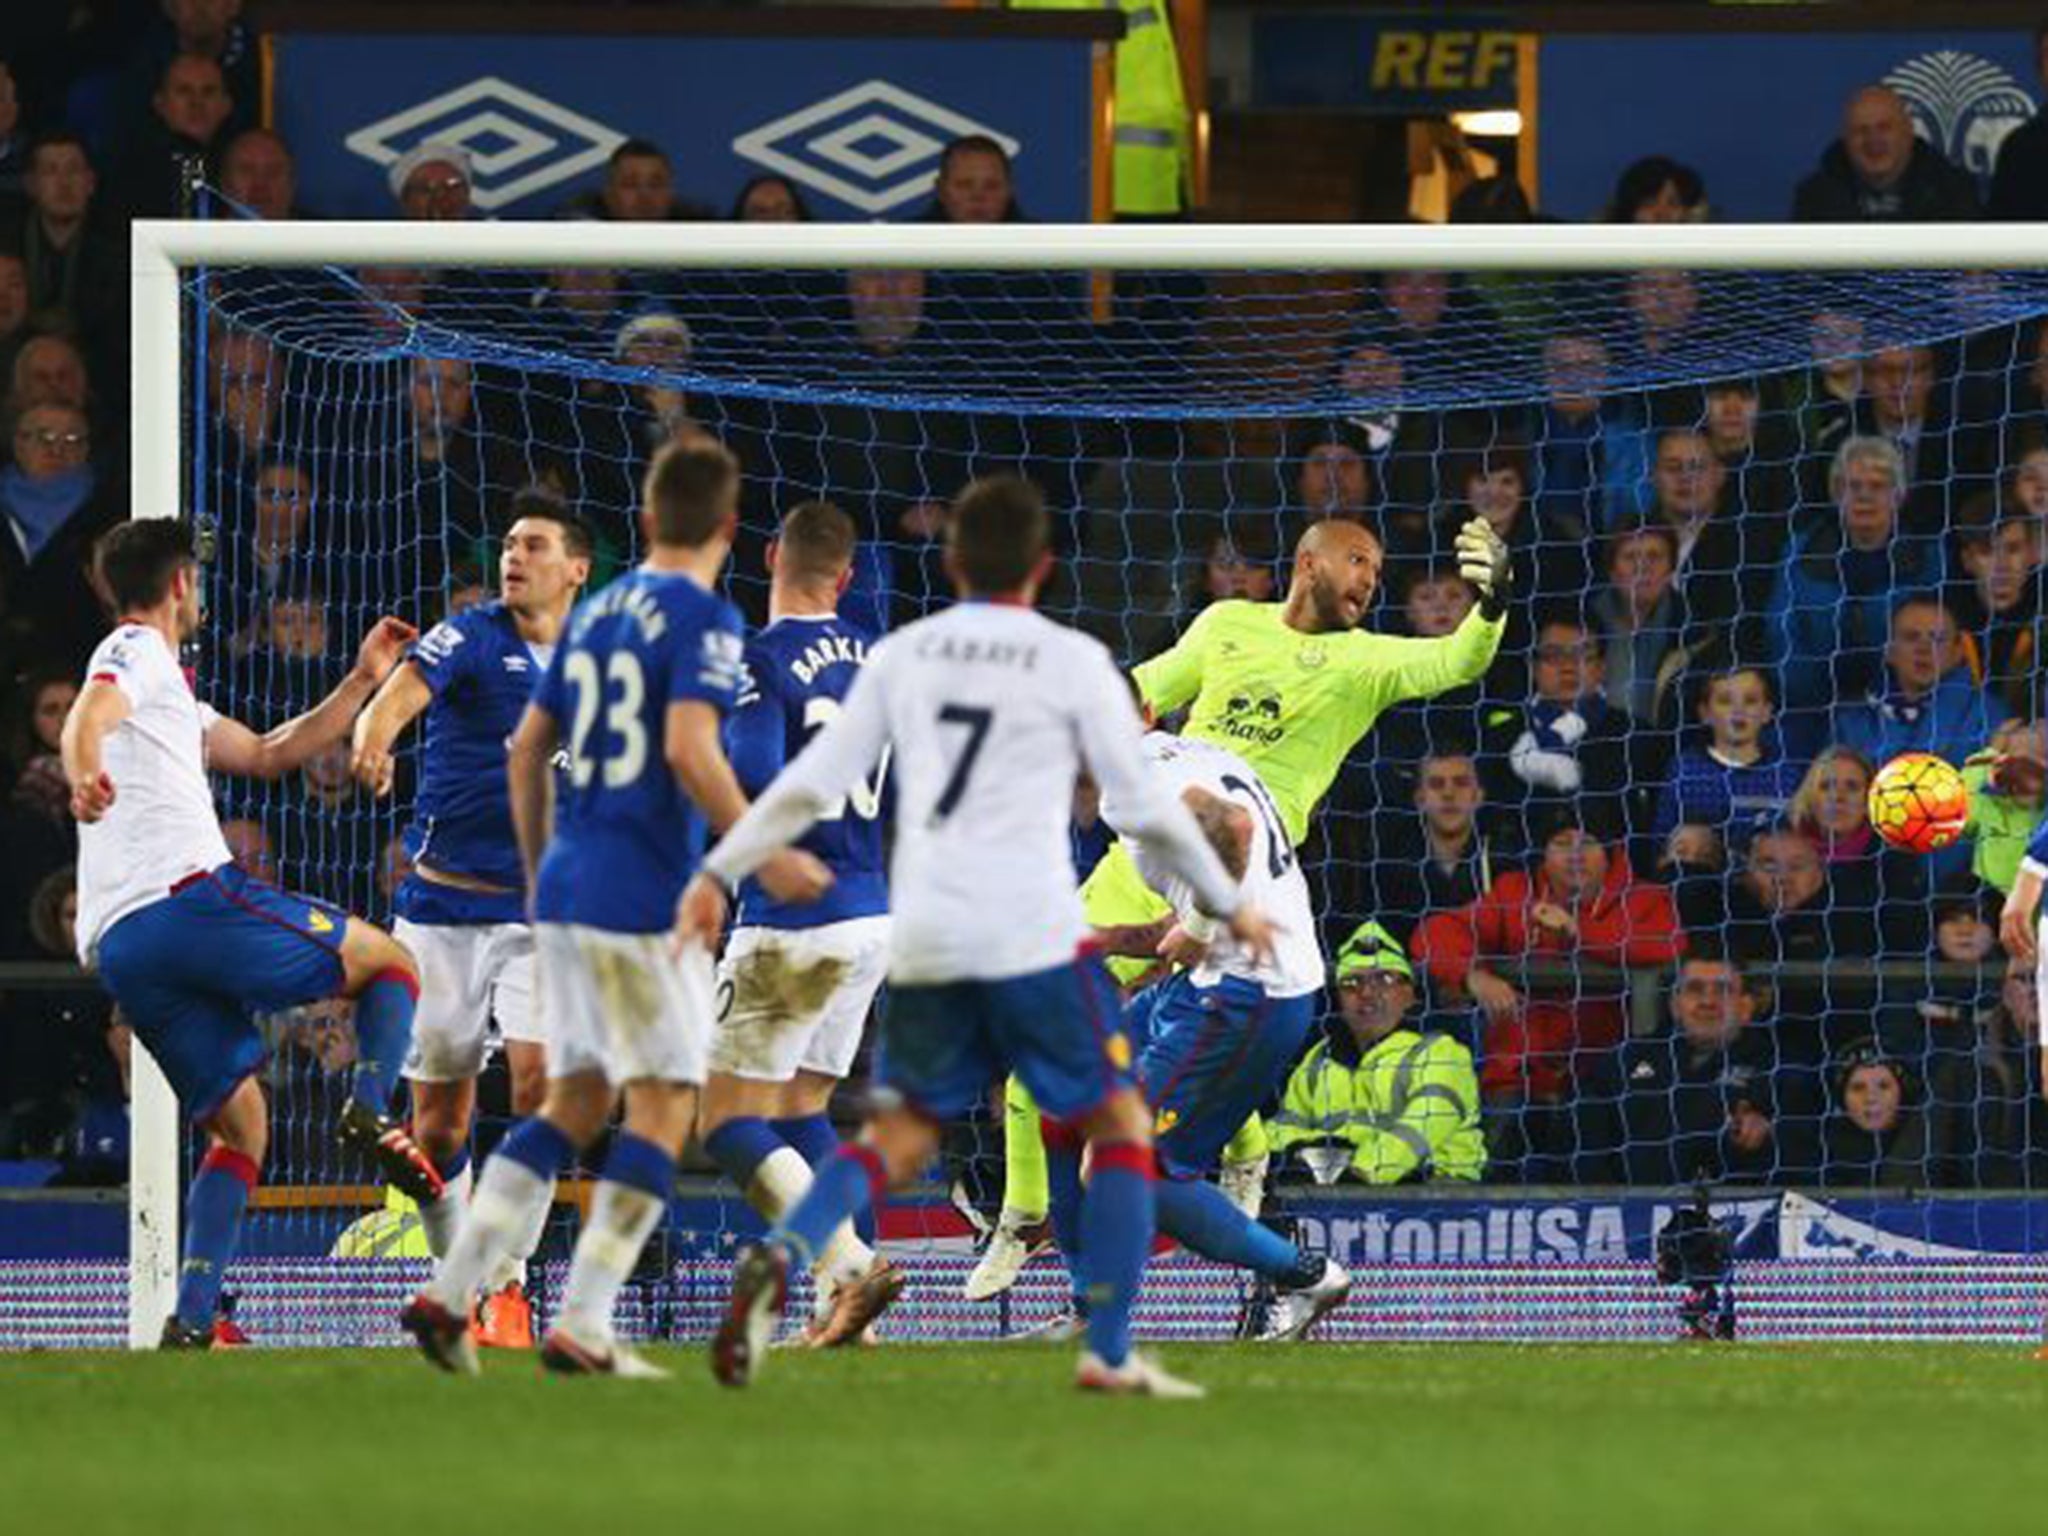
<point>1483,561</point>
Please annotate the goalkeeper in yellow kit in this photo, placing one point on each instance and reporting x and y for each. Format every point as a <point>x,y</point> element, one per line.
<point>1290,687</point>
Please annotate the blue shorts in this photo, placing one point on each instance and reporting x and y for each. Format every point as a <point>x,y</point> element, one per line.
<point>192,970</point>
<point>1211,1057</point>
<point>944,1046</point>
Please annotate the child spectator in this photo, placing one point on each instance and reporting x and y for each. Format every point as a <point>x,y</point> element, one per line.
<point>1933,1022</point>
<point>1876,1135</point>
<point>1737,780</point>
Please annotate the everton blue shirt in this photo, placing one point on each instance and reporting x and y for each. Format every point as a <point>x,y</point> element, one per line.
<point>626,837</point>
<point>481,673</point>
<point>797,673</point>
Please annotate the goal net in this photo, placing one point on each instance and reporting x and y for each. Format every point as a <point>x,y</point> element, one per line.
<point>1775,500</point>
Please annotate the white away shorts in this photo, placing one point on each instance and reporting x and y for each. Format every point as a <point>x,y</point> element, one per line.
<point>471,975</point>
<point>623,1004</point>
<point>797,998</point>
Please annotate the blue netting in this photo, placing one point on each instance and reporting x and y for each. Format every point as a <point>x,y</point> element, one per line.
<point>361,436</point>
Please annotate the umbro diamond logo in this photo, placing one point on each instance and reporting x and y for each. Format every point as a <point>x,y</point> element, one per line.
<point>873,147</point>
<point>518,143</point>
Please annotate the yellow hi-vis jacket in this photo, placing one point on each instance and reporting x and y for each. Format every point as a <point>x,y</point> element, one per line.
<point>1151,129</point>
<point>1408,1108</point>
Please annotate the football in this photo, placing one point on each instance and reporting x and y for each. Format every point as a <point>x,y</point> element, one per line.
<point>1918,802</point>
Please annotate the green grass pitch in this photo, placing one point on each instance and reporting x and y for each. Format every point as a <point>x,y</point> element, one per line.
<point>987,1440</point>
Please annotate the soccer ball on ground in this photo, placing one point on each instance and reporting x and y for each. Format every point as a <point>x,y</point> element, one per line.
<point>1918,802</point>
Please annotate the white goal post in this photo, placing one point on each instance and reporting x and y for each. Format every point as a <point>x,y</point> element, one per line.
<point>163,251</point>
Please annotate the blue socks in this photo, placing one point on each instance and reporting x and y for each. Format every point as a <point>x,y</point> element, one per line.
<point>538,1146</point>
<point>812,1135</point>
<point>384,1012</point>
<point>213,1224</point>
<point>640,1164</point>
<point>1063,1184</point>
<point>851,1180</point>
<point>816,1141</point>
<point>1200,1217</point>
<point>1116,1239</point>
<point>740,1146</point>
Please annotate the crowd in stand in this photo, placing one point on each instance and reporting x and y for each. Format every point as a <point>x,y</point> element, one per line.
<point>1734,598</point>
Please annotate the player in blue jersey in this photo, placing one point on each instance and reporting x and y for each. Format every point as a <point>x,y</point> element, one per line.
<point>189,945</point>
<point>797,981</point>
<point>637,692</point>
<point>462,910</point>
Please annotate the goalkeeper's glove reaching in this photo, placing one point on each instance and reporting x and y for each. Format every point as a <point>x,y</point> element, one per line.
<point>1483,561</point>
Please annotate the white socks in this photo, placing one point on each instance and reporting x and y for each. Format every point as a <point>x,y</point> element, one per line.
<point>621,1220</point>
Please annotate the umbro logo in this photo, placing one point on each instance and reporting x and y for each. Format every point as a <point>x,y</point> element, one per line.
<point>518,664</point>
<point>874,146</point>
<point>519,143</point>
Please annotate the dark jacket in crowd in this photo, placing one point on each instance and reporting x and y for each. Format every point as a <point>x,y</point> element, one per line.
<point>2019,187</point>
<point>1931,188</point>
<point>1678,1097</point>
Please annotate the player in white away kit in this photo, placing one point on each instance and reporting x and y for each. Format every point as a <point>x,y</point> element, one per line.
<point>1217,1038</point>
<point>462,910</point>
<point>797,980</point>
<point>636,692</point>
<point>992,711</point>
<point>190,946</point>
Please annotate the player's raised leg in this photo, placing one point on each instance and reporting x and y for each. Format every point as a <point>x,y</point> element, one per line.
<point>384,983</point>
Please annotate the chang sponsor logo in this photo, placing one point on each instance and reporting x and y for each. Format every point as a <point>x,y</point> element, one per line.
<point>1252,714</point>
<point>519,143</point>
<point>1962,104</point>
<point>874,146</point>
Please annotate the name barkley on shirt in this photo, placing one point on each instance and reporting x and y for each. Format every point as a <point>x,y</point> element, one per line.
<point>822,653</point>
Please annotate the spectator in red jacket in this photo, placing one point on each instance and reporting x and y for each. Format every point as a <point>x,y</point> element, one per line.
<point>1546,1042</point>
